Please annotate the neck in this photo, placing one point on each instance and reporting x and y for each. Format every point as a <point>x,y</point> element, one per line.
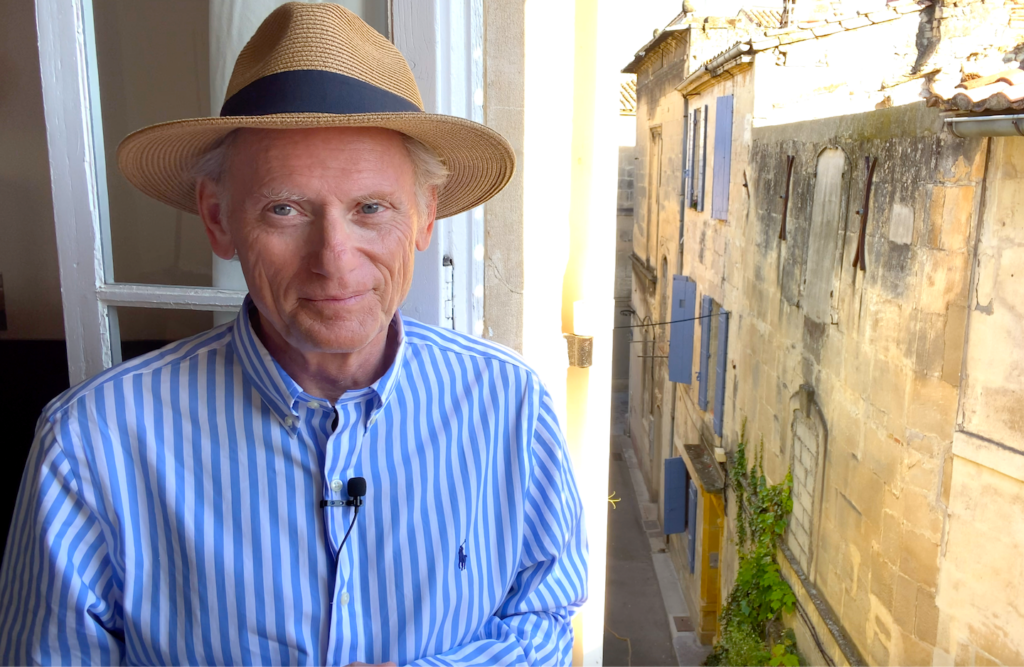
<point>328,375</point>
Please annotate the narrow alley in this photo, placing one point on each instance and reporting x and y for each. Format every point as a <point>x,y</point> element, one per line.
<point>647,621</point>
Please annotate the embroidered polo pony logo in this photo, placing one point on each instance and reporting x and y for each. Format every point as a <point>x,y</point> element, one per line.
<point>462,556</point>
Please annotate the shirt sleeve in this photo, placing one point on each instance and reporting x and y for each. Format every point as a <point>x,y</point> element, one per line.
<point>532,626</point>
<point>57,597</point>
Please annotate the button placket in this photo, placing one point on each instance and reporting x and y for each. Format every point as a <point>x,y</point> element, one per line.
<point>342,449</point>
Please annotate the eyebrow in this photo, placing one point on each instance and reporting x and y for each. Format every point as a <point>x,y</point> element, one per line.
<point>281,193</point>
<point>378,196</point>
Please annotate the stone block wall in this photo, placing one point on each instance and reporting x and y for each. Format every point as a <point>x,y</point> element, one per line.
<point>659,107</point>
<point>884,371</point>
<point>856,378</point>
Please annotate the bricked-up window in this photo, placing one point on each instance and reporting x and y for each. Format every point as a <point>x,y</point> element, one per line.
<point>653,194</point>
<point>824,244</point>
<point>809,435</point>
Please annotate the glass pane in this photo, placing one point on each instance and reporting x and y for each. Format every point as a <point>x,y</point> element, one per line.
<point>154,66</point>
<point>146,329</point>
<point>153,62</point>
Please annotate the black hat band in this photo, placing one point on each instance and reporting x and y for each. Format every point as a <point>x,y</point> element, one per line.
<point>313,91</point>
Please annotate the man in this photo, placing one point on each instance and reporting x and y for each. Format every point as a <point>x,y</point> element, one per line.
<point>196,505</point>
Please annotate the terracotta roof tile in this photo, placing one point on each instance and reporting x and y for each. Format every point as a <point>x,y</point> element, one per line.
<point>826,29</point>
<point>627,98</point>
<point>763,18</point>
<point>1011,77</point>
<point>838,23</point>
<point>999,92</point>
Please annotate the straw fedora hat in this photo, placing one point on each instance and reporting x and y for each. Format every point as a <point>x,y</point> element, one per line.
<point>319,65</point>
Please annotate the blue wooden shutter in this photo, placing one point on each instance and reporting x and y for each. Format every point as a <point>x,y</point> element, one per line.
<point>686,172</point>
<point>691,524</point>
<point>705,352</point>
<point>674,519</point>
<point>691,158</point>
<point>723,344</point>
<point>680,341</point>
<point>686,497</point>
<point>723,158</point>
<point>703,163</point>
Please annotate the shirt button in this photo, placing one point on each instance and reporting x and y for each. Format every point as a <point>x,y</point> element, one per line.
<point>312,405</point>
<point>337,486</point>
<point>344,598</point>
<point>289,421</point>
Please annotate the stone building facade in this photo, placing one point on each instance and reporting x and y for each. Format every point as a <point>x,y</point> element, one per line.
<point>875,348</point>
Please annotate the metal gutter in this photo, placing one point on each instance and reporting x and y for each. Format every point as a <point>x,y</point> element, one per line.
<point>716,66</point>
<point>987,126</point>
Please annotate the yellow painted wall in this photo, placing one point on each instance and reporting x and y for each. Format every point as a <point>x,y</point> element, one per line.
<point>570,174</point>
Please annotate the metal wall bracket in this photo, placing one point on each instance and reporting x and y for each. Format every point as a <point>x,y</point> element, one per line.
<point>858,258</point>
<point>785,196</point>
<point>581,350</point>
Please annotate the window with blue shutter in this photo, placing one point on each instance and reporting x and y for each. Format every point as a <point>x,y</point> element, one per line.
<point>702,186</point>
<point>723,344</point>
<point>705,352</point>
<point>684,184</point>
<point>680,342</point>
<point>676,479</point>
<point>723,158</point>
<point>691,524</point>
<point>694,159</point>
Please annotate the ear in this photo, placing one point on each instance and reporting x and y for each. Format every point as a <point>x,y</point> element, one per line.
<point>426,226</point>
<point>213,211</point>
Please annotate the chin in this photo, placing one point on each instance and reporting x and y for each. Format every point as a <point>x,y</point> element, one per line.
<point>336,335</point>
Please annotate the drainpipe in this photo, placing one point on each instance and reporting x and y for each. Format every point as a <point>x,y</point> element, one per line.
<point>987,126</point>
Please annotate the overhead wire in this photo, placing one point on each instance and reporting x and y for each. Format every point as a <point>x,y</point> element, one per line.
<point>655,324</point>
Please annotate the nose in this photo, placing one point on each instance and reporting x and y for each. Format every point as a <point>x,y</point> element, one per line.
<point>332,242</point>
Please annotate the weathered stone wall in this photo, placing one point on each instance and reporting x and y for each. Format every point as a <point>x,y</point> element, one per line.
<point>504,103</point>
<point>660,107</point>
<point>884,369</point>
<point>981,581</point>
<point>623,264</point>
<point>854,378</point>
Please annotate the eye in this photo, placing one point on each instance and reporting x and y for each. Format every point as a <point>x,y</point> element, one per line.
<point>282,209</point>
<point>369,209</point>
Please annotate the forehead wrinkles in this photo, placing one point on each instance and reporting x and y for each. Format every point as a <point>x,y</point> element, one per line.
<point>282,163</point>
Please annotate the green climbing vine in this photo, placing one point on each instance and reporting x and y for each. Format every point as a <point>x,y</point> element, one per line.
<point>760,593</point>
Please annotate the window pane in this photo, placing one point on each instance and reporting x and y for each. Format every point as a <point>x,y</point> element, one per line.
<point>154,66</point>
<point>153,59</point>
<point>146,329</point>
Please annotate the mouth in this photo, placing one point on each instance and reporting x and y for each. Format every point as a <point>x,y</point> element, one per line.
<point>334,301</point>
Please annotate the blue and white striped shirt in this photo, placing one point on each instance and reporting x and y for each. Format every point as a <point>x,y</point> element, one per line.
<point>169,514</point>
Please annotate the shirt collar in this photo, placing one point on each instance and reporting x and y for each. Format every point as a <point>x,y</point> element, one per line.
<point>281,393</point>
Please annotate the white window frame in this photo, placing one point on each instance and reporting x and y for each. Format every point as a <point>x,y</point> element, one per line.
<point>443,42</point>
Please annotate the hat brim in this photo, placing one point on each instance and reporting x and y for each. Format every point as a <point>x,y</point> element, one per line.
<point>159,159</point>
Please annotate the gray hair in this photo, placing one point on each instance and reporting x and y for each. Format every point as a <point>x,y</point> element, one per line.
<point>431,172</point>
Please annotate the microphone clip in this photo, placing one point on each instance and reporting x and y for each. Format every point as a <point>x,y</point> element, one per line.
<point>354,502</point>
